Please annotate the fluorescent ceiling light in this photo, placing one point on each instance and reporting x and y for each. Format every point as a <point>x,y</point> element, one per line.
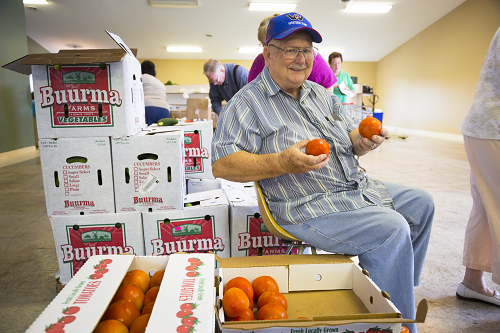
<point>183,49</point>
<point>255,50</point>
<point>277,7</point>
<point>367,8</point>
<point>174,3</point>
<point>35,2</point>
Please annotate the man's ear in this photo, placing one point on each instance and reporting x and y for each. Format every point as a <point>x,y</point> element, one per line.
<point>266,52</point>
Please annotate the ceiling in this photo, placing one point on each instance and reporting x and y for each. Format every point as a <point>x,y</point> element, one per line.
<point>66,24</point>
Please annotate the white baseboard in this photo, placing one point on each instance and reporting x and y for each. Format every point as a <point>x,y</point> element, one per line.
<point>437,135</point>
<point>18,155</point>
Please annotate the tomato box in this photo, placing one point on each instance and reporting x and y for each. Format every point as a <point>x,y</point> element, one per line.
<point>79,307</point>
<point>77,175</point>
<point>201,227</point>
<point>86,93</point>
<point>149,171</point>
<point>197,147</point>
<point>229,185</point>
<point>78,238</point>
<point>249,235</point>
<point>330,290</point>
<point>187,301</point>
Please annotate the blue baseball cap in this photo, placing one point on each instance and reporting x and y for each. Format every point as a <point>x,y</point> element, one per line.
<point>284,25</point>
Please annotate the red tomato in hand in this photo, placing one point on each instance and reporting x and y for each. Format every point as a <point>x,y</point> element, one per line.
<point>317,147</point>
<point>369,127</point>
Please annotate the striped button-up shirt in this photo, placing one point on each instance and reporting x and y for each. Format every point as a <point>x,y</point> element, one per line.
<point>263,119</point>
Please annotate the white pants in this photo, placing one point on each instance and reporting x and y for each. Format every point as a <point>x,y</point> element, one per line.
<point>482,235</point>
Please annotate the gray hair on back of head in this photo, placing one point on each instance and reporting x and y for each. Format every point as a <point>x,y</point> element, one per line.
<point>211,66</point>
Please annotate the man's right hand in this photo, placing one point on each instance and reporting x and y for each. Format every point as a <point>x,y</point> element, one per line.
<point>294,160</point>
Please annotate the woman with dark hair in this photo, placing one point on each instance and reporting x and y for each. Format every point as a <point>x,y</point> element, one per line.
<point>155,96</point>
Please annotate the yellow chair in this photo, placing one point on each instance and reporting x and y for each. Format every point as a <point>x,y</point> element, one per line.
<point>276,229</point>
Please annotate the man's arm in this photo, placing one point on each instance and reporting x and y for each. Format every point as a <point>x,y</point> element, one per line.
<point>215,98</point>
<point>243,167</point>
<point>241,76</point>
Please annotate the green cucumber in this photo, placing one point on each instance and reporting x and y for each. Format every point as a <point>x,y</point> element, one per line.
<point>167,121</point>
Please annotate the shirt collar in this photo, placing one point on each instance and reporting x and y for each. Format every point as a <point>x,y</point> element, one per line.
<point>273,88</point>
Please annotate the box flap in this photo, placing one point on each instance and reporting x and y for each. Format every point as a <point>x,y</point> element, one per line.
<point>84,299</point>
<point>274,260</point>
<point>16,66</point>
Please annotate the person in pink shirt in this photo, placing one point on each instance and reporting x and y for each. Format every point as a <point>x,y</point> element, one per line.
<point>321,73</point>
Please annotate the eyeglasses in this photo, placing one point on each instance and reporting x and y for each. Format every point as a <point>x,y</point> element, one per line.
<point>290,53</point>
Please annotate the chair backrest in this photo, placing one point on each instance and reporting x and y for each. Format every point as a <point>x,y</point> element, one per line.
<point>268,219</point>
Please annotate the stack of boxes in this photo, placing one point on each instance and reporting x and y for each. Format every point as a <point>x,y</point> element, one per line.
<point>113,185</point>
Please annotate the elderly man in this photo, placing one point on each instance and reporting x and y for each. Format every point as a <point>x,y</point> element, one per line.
<point>225,81</point>
<point>324,200</point>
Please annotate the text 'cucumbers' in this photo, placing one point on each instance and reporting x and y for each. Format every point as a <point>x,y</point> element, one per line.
<point>76,159</point>
<point>167,121</point>
<point>147,156</point>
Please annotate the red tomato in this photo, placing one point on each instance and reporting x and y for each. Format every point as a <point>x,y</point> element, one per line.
<point>137,278</point>
<point>148,308</point>
<point>240,283</point>
<point>317,147</point>
<point>272,311</point>
<point>369,127</point>
<point>272,297</point>
<point>151,295</point>
<point>156,279</point>
<point>263,284</point>
<point>235,302</point>
<point>130,293</point>
<point>123,311</point>
<point>247,315</point>
<point>111,326</point>
<point>139,324</point>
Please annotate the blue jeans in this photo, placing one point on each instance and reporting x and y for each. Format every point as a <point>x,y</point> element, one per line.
<point>155,113</point>
<point>390,244</point>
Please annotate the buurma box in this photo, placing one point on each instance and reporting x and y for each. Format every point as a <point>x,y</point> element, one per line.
<point>86,93</point>
<point>77,175</point>
<point>330,291</point>
<point>197,147</point>
<point>79,307</point>
<point>249,235</point>
<point>78,238</point>
<point>148,171</point>
<point>200,227</point>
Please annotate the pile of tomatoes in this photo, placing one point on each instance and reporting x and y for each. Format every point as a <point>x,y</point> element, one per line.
<point>239,295</point>
<point>132,303</point>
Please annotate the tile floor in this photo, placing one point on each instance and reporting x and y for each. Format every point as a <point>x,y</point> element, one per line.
<point>435,163</point>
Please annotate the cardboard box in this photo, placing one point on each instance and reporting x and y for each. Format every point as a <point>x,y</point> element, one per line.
<point>229,185</point>
<point>77,175</point>
<point>201,227</point>
<point>202,185</point>
<point>330,290</point>
<point>86,297</point>
<point>148,171</point>
<point>78,238</point>
<point>198,108</point>
<point>249,235</point>
<point>198,137</point>
<point>188,292</point>
<point>86,93</point>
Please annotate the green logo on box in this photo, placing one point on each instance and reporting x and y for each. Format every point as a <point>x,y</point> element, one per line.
<point>188,140</point>
<point>96,236</point>
<point>77,77</point>
<point>263,227</point>
<point>186,230</point>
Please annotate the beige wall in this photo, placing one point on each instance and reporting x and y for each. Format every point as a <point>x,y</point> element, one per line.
<point>428,83</point>
<point>366,73</point>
